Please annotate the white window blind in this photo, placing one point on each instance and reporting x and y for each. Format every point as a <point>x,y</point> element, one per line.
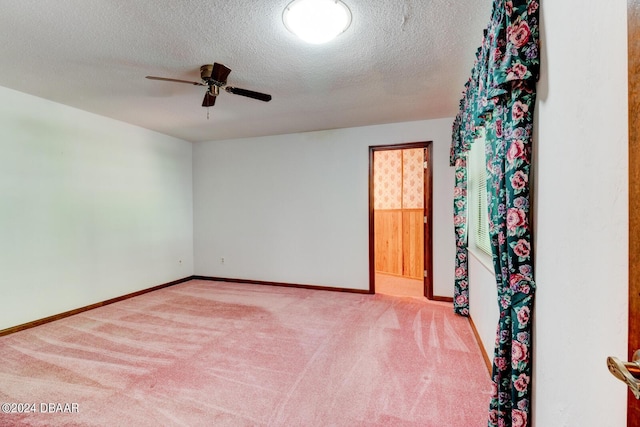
<point>479,212</point>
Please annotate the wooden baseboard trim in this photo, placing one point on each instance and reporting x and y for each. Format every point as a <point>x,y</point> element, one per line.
<point>441,299</point>
<point>59,316</point>
<point>402,276</point>
<point>55,317</point>
<point>483,350</point>
<point>286,285</point>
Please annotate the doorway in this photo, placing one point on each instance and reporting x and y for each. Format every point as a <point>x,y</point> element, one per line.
<point>400,211</point>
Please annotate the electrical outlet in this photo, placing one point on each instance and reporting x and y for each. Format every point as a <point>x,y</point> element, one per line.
<point>222,260</point>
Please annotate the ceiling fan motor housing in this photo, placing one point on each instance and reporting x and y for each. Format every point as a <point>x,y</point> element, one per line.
<point>205,72</point>
<point>215,74</point>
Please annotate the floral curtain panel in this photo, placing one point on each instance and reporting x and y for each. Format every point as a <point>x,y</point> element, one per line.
<point>465,128</point>
<point>500,96</point>
<point>461,285</point>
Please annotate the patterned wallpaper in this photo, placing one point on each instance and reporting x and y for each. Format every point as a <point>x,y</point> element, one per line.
<point>397,180</point>
<point>412,178</point>
<point>387,179</point>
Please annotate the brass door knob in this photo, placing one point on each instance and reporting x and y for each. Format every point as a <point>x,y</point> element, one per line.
<point>627,372</point>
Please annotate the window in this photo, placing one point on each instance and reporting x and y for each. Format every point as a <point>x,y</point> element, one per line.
<point>477,196</point>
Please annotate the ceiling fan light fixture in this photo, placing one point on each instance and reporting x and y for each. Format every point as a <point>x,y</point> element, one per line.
<point>317,21</point>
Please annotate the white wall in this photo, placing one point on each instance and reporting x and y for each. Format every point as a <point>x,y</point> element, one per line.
<point>581,214</point>
<point>90,208</point>
<point>581,205</point>
<point>294,208</point>
<point>483,301</point>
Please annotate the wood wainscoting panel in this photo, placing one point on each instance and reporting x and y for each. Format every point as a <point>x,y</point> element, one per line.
<point>388,240</point>
<point>413,243</point>
<point>399,241</point>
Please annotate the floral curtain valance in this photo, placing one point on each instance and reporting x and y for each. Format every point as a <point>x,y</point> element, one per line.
<point>500,96</point>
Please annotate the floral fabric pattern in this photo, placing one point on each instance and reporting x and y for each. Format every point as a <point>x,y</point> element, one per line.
<point>461,287</point>
<point>508,183</point>
<point>500,96</point>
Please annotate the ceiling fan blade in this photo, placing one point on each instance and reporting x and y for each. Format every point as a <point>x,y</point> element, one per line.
<point>175,80</point>
<point>248,93</point>
<point>220,73</point>
<point>209,100</point>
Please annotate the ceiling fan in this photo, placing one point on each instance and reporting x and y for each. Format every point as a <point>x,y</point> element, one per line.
<point>214,76</point>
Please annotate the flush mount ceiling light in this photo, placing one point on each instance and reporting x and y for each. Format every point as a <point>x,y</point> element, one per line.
<point>317,21</point>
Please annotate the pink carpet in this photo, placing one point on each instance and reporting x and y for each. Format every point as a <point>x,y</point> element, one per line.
<point>221,354</point>
<point>399,286</point>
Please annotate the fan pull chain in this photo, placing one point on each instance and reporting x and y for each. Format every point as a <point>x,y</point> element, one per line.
<point>207,113</point>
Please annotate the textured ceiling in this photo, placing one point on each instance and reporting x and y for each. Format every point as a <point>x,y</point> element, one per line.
<point>398,61</point>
